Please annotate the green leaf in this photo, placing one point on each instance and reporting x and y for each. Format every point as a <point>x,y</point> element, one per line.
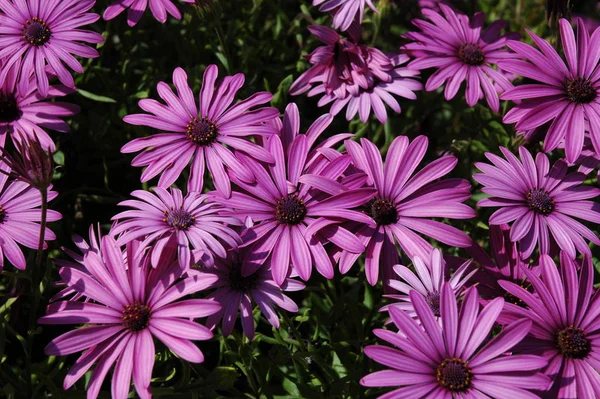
<point>96,97</point>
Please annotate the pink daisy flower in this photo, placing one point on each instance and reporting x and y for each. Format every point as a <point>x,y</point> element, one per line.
<point>136,8</point>
<point>201,134</point>
<point>25,113</point>
<point>460,50</point>
<point>449,359</point>
<point>77,261</point>
<point>167,218</point>
<point>236,292</point>
<point>428,281</point>
<point>404,204</point>
<point>564,95</point>
<point>355,76</point>
<point>345,11</point>
<point>37,33</point>
<point>505,263</point>
<point>565,312</point>
<point>130,305</point>
<point>20,217</point>
<point>297,209</point>
<point>535,199</point>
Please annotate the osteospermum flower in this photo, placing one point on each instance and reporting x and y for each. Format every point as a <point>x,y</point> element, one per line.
<point>566,326</point>
<point>505,263</point>
<point>37,33</point>
<point>345,11</point>
<point>20,217</point>
<point>130,305</point>
<point>136,9</point>
<point>564,95</point>
<point>238,293</point>
<point>25,113</point>
<point>167,218</point>
<point>355,75</point>
<point>537,199</point>
<point>404,204</point>
<point>447,360</point>
<point>427,281</point>
<point>294,219</point>
<point>460,50</point>
<point>201,134</point>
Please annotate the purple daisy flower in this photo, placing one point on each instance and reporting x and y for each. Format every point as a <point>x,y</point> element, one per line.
<point>404,204</point>
<point>346,11</point>
<point>37,33</point>
<point>505,263</point>
<point>167,218</point>
<point>355,75</point>
<point>461,50</point>
<point>236,292</point>
<point>20,217</point>
<point>444,360</point>
<point>297,210</point>
<point>564,95</point>
<point>136,9</point>
<point>132,304</point>
<point>25,113</point>
<point>565,313</point>
<point>537,199</point>
<point>427,281</point>
<point>201,134</point>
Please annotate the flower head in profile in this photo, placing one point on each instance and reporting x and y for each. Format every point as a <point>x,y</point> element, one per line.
<point>38,33</point>
<point>167,219</point>
<point>201,135</point>
<point>355,76</point>
<point>405,203</point>
<point>540,202</point>
<point>238,293</point>
<point>461,50</point>
<point>298,206</point>
<point>427,281</point>
<point>136,8</point>
<point>449,359</point>
<point>25,113</point>
<point>32,164</point>
<point>20,217</point>
<point>565,314</point>
<point>563,95</point>
<point>129,305</point>
<point>345,11</point>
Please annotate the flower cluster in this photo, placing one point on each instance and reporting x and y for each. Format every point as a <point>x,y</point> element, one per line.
<point>264,202</point>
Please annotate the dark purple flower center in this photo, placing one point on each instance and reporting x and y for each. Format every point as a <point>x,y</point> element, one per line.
<point>9,111</point>
<point>572,343</point>
<point>179,219</point>
<point>540,201</point>
<point>290,210</point>
<point>510,298</point>
<point>471,54</point>
<point>239,282</point>
<point>2,215</point>
<point>382,211</point>
<point>202,131</point>
<point>580,90</point>
<point>454,375</point>
<point>36,32</point>
<point>433,300</point>
<point>136,317</point>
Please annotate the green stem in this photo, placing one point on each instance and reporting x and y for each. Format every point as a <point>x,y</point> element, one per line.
<point>35,285</point>
<point>221,36</point>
